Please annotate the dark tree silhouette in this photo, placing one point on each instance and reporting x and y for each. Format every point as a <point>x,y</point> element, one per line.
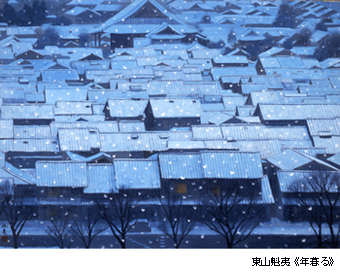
<point>206,19</point>
<point>39,12</point>
<point>17,213</point>
<point>120,214</point>
<point>231,36</point>
<point>49,37</point>
<point>84,39</point>
<point>288,44</point>
<point>29,15</point>
<point>255,49</point>
<point>328,48</point>
<point>321,25</point>
<point>62,21</point>
<point>178,219</point>
<point>59,230</point>
<point>304,37</point>
<point>217,45</point>
<point>318,196</point>
<point>8,15</point>
<point>219,8</point>
<point>286,16</point>
<point>86,228</point>
<point>25,15</point>
<point>232,212</point>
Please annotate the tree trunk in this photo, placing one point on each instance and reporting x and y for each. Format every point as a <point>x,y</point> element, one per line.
<point>229,244</point>
<point>331,229</point>
<point>319,237</point>
<point>15,241</point>
<point>123,241</point>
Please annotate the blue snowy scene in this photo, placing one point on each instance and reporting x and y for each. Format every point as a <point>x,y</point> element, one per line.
<point>169,124</point>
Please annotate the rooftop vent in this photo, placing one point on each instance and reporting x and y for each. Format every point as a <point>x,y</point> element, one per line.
<point>134,136</point>
<point>163,136</point>
<point>136,88</point>
<point>325,134</point>
<point>231,139</point>
<point>206,72</point>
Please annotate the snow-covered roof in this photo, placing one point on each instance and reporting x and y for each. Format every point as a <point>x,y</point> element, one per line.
<point>137,8</point>
<point>61,174</point>
<point>287,178</point>
<point>108,8</point>
<point>84,2</point>
<point>137,174</point>
<point>79,107</point>
<point>196,5</point>
<point>292,160</point>
<point>324,127</point>
<point>100,179</point>
<point>206,165</point>
<point>298,111</point>
<point>263,97</point>
<point>332,144</point>
<point>232,71</point>
<point>132,142</point>
<point>27,111</point>
<point>59,75</point>
<point>53,95</point>
<point>175,108</point>
<point>330,63</point>
<point>231,165</point>
<point>70,36</point>
<point>8,171</point>
<point>6,53</point>
<point>181,166</point>
<point>32,131</point>
<point>125,108</point>
<point>246,132</point>
<point>78,139</point>
<point>335,159</point>
<point>79,10</point>
<point>6,129</point>
<point>231,60</point>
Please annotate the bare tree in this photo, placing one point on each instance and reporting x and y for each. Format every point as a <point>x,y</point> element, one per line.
<point>59,230</point>
<point>232,212</point>
<point>231,37</point>
<point>6,193</point>
<point>304,37</point>
<point>318,196</point>
<point>178,219</point>
<point>119,214</point>
<point>86,228</point>
<point>39,31</point>
<point>17,213</point>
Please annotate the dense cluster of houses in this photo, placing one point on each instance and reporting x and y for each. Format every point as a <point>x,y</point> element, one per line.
<point>164,109</point>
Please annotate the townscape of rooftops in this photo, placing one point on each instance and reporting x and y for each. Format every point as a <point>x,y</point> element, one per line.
<point>103,97</point>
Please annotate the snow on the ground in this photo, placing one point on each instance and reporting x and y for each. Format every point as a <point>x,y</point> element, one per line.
<point>272,227</point>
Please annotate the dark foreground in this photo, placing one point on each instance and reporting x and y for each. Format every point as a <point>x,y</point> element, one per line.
<point>157,241</point>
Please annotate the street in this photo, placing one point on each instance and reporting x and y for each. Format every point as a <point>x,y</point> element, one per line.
<point>159,241</point>
<point>270,234</point>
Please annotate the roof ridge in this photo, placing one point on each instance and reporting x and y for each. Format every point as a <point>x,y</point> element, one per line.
<point>131,9</point>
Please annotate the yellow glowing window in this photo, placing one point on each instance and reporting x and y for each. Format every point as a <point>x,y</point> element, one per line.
<point>216,190</point>
<point>181,188</point>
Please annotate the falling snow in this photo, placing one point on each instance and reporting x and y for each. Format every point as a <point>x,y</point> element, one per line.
<point>169,124</point>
